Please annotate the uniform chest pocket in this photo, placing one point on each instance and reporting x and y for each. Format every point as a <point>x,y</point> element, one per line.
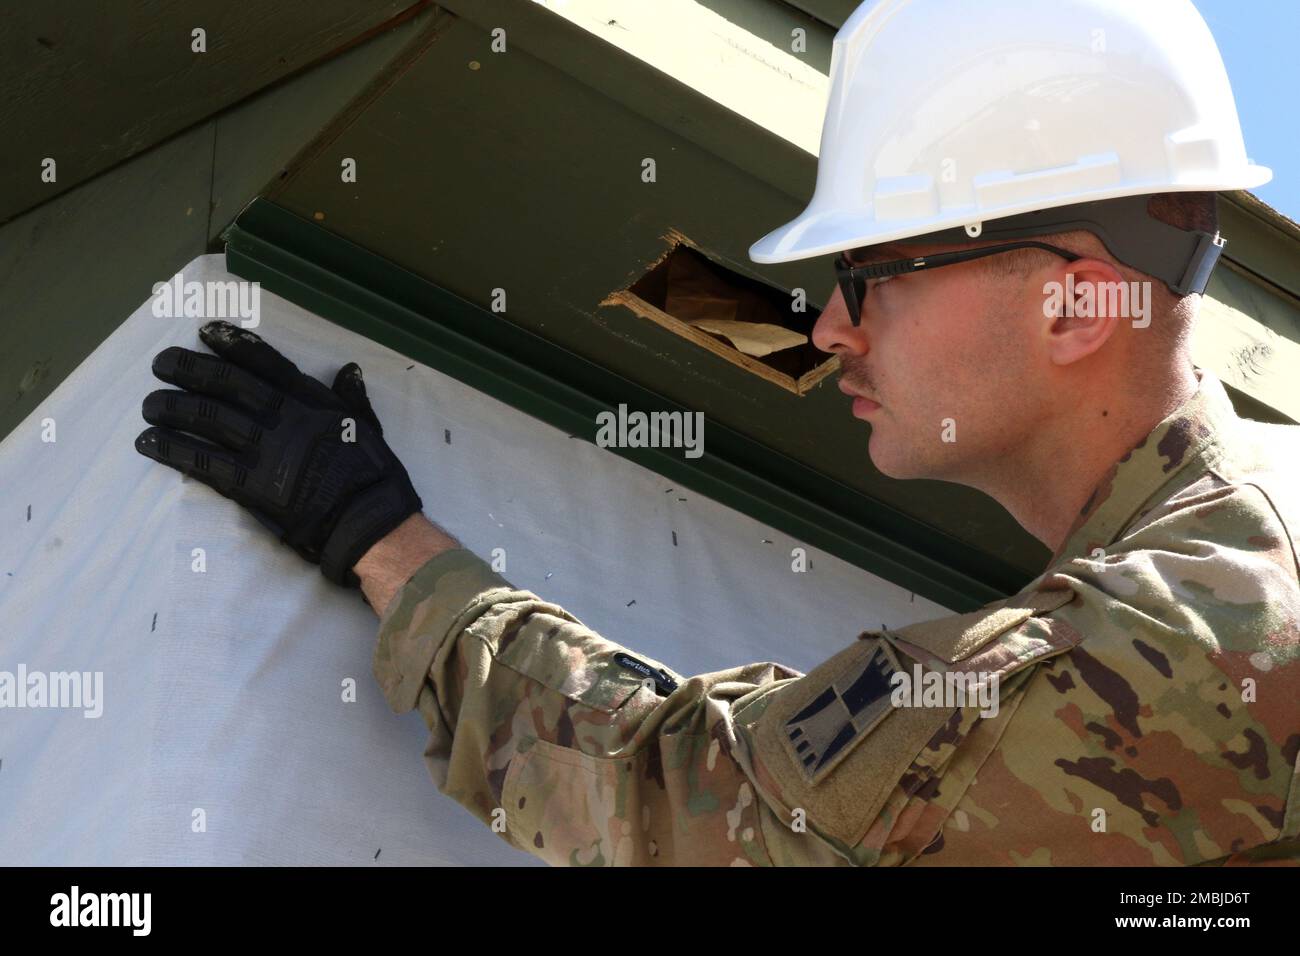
<point>838,741</point>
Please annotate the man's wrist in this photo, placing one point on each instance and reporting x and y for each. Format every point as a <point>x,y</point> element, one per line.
<point>393,559</point>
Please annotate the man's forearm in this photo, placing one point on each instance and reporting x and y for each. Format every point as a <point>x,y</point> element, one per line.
<point>392,560</point>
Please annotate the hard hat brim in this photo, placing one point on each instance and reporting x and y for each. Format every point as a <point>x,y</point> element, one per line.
<point>816,232</point>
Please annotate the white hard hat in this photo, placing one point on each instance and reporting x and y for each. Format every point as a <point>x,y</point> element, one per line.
<point>945,114</point>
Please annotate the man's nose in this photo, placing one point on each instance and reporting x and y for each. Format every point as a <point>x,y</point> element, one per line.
<point>834,332</point>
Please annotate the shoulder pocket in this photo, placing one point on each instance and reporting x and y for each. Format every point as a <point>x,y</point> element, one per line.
<point>991,639</point>
<point>836,743</point>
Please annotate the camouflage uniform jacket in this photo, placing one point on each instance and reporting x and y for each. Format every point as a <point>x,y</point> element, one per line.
<point>1148,705</point>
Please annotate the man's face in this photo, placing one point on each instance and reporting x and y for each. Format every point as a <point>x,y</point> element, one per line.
<point>948,355</point>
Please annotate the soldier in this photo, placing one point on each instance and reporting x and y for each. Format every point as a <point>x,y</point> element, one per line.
<point>1137,703</point>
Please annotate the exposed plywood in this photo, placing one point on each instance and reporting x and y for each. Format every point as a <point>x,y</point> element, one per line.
<point>647,298</point>
<point>91,84</point>
<point>799,386</point>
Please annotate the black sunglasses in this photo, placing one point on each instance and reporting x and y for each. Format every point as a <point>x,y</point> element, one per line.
<point>853,279</point>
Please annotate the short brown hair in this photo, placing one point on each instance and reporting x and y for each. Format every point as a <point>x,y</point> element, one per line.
<point>1196,211</point>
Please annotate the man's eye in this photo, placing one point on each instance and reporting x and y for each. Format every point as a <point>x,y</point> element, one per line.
<point>880,281</point>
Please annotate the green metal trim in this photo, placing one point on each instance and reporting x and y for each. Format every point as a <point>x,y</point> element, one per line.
<point>369,295</point>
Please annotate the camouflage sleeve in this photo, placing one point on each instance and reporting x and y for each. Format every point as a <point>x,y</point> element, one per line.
<point>999,736</point>
<point>567,745</point>
<point>581,752</point>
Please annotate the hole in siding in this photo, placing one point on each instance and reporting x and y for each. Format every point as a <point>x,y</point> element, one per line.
<point>733,316</point>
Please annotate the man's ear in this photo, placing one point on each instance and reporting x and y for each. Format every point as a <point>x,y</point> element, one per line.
<point>1083,303</point>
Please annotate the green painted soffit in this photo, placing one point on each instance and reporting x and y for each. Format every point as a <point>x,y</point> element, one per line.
<point>363,292</point>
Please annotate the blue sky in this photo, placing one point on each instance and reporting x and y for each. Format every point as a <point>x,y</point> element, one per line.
<point>1259,40</point>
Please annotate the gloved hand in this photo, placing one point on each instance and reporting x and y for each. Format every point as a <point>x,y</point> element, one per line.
<point>284,449</point>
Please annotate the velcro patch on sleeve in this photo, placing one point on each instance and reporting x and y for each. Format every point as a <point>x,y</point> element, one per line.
<point>847,707</point>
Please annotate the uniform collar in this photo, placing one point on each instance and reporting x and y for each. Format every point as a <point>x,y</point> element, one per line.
<point>1198,431</point>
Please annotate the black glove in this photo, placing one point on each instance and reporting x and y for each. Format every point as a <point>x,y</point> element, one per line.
<point>281,449</point>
